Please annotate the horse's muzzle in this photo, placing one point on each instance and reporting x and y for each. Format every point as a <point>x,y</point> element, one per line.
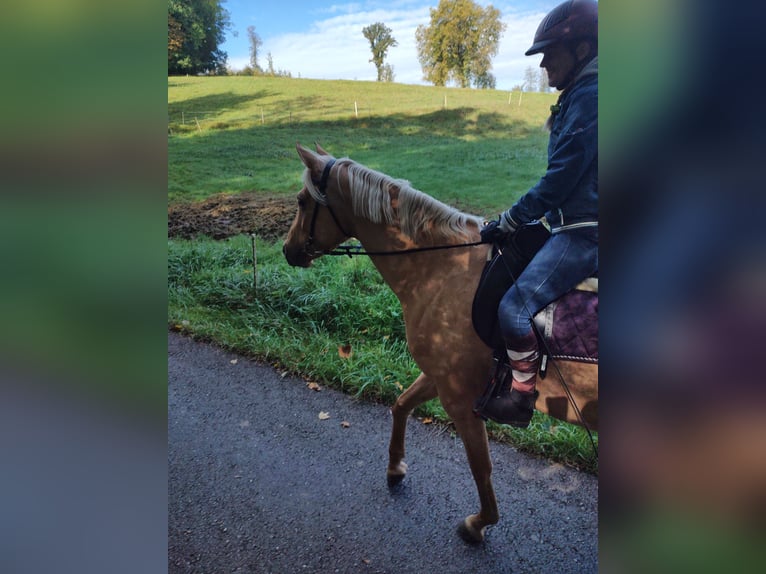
<point>296,257</point>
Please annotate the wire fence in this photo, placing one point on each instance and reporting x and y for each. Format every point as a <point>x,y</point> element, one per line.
<point>190,119</point>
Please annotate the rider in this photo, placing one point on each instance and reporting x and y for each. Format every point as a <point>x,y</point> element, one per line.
<point>566,196</point>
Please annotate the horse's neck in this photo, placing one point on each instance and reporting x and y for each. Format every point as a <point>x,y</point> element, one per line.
<point>420,274</point>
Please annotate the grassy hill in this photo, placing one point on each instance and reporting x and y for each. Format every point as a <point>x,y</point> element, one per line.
<point>474,149</point>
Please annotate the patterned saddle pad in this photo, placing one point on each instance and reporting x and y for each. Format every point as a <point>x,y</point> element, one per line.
<point>569,325</point>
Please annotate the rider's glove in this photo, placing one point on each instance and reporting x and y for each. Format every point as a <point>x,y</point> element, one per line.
<point>492,233</point>
<point>498,230</point>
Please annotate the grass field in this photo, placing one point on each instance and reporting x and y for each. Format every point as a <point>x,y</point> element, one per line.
<point>479,152</point>
<point>230,134</point>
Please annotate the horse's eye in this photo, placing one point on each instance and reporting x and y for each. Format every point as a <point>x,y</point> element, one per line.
<point>301,202</point>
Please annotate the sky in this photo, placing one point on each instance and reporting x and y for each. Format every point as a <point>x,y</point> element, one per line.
<point>324,40</point>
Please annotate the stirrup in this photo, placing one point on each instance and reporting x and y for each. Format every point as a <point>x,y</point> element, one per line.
<point>501,371</point>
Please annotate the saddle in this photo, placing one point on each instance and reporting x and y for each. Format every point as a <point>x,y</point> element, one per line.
<point>568,326</point>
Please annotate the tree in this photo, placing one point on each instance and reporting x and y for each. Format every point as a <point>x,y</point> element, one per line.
<point>381,40</point>
<point>255,43</point>
<point>388,73</point>
<point>196,29</point>
<point>542,83</point>
<point>535,80</point>
<point>459,43</point>
<point>530,79</point>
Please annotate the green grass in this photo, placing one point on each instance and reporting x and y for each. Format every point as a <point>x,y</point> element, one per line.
<point>479,153</point>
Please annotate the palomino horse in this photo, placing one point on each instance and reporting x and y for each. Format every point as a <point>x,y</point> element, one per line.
<point>342,199</point>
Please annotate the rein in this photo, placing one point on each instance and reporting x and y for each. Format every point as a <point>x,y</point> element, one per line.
<point>351,250</point>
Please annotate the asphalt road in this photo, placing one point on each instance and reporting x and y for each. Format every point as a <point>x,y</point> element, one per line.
<point>257,482</point>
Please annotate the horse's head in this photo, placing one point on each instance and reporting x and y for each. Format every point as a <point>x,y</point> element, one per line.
<point>317,225</point>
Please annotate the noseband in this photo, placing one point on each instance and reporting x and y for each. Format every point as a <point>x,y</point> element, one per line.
<point>322,187</point>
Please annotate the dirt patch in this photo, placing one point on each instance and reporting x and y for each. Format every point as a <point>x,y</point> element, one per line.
<point>224,215</point>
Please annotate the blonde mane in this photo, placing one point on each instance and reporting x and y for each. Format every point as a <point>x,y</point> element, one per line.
<point>379,198</point>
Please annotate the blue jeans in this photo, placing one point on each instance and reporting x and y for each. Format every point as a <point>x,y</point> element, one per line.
<point>566,259</point>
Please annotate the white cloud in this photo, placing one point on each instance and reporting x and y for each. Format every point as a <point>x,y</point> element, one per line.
<point>334,47</point>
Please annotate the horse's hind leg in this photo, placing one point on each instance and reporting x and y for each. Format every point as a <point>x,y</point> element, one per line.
<point>422,390</point>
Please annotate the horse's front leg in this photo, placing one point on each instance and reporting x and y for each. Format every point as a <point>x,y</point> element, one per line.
<point>473,432</point>
<point>420,391</point>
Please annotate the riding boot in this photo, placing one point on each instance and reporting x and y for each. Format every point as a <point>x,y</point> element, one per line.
<point>514,402</point>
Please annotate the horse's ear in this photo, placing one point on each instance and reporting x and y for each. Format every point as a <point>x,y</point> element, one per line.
<point>320,151</point>
<point>308,157</point>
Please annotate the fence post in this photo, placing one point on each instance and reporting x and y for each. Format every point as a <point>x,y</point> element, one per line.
<point>255,266</point>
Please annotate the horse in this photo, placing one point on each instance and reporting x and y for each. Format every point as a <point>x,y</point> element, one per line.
<point>435,285</point>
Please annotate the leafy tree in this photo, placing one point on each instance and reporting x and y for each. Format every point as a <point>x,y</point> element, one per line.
<point>255,43</point>
<point>196,29</point>
<point>381,40</point>
<point>459,43</point>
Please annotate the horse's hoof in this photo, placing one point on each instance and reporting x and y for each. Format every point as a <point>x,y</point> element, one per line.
<point>394,480</point>
<point>469,534</point>
<point>396,475</point>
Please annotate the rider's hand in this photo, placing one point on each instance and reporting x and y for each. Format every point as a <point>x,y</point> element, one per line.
<point>498,230</point>
<point>492,232</point>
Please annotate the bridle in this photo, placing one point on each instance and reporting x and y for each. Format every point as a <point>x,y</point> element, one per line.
<point>351,250</point>
<point>322,188</point>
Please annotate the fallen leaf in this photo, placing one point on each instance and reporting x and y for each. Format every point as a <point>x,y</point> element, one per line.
<point>283,374</point>
<point>233,361</point>
<point>428,421</point>
<point>398,385</point>
<point>345,424</point>
<point>323,416</point>
<point>345,351</point>
<point>314,387</point>
<point>366,560</point>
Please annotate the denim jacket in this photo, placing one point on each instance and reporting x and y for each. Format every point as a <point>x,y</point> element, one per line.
<point>567,195</point>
